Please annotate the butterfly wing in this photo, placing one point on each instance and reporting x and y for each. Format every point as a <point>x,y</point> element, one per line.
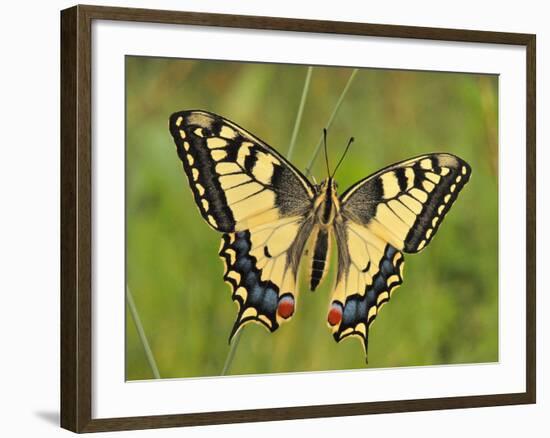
<point>369,270</point>
<point>258,200</point>
<point>261,265</point>
<point>398,209</point>
<point>405,203</point>
<point>238,181</point>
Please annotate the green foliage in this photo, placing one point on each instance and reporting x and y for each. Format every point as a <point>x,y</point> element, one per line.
<point>446,311</point>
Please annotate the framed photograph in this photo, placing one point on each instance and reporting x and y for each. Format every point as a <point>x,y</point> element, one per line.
<point>242,197</point>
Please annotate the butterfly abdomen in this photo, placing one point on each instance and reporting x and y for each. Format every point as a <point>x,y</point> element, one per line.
<point>319,261</point>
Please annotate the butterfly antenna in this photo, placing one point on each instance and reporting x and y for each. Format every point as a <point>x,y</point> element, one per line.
<point>326,153</point>
<point>351,140</point>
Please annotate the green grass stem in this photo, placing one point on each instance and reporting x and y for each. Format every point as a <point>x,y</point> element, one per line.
<point>330,120</point>
<point>141,333</point>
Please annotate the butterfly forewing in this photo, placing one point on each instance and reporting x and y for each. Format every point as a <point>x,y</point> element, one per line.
<point>405,203</point>
<point>237,180</point>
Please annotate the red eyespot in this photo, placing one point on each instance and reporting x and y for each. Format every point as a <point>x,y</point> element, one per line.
<point>285,309</point>
<point>335,314</point>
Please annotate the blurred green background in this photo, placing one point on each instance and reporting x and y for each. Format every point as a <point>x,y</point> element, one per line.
<point>446,311</point>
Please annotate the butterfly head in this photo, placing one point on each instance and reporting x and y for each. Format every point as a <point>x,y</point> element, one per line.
<point>327,186</point>
<point>326,203</point>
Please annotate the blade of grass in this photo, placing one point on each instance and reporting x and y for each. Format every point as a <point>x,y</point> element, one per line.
<point>231,353</point>
<point>330,120</point>
<point>141,333</point>
<point>298,120</point>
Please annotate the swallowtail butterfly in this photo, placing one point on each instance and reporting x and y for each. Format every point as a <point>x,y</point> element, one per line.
<point>268,211</point>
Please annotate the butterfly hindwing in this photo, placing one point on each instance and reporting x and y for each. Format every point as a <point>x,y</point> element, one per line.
<point>261,266</point>
<point>237,180</point>
<point>369,270</point>
<point>405,203</point>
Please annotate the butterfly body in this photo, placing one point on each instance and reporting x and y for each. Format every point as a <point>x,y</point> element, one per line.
<point>326,209</point>
<point>268,213</point>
